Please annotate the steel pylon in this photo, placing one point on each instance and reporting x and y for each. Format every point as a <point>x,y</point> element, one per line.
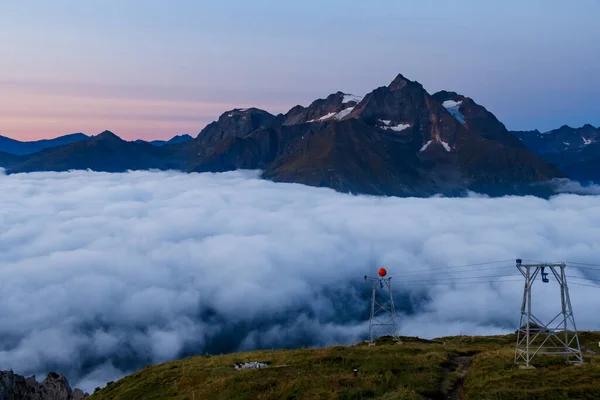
<point>383,312</point>
<point>557,337</point>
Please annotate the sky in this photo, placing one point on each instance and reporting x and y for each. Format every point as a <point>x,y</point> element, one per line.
<point>102,274</point>
<point>151,69</point>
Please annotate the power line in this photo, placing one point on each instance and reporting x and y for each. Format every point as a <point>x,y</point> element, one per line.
<point>428,272</point>
<point>460,266</point>
<point>583,284</point>
<point>458,282</point>
<point>578,263</point>
<point>585,279</point>
<point>586,268</point>
<point>462,278</point>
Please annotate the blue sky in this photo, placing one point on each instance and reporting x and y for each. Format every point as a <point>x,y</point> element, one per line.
<point>153,69</point>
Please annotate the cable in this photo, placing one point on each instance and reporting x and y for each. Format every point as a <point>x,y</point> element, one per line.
<point>586,268</point>
<point>585,279</point>
<point>450,280</point>
<point>590,265</point>
<point>461,266</point>
<point>583,284</point>
<point>575,265</point>
<point>463,283</point>
<point>476,282</point>
<point>434,272</point>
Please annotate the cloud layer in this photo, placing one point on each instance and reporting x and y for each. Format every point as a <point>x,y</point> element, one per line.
<point>101,274</point>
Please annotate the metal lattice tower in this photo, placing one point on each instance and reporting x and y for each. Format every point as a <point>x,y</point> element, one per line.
<point>383,312</point>
<point>557,337</point>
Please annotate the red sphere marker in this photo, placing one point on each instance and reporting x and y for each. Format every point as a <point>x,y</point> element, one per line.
<point>382,272</point>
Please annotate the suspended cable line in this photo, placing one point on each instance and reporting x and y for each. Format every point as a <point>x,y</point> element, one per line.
<point>460,266</point>
<point>465,283</point>
<point>435,272</point>
<point>584,279</point>
<point>462,278</point>
<point>583,284</point>
<point>587,264</point>
<point>585,268</point>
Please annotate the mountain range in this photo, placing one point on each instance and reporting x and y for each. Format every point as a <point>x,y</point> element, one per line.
<point>19,148</point>
<point>173,140</point>
<point>575,151</point>
<point>397,140</point>
<point>16,147</point>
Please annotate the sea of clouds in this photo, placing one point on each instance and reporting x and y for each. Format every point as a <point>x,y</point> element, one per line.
<point>102,274</point>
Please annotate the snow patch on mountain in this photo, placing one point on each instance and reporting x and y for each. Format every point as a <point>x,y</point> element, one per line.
<point>236,110</point>
<point>386,121</point>
<point>446,145</point>
<point>351,97</point>
<point>343,113</point>
<point>398,128</point>
<point>324,117</point>
<point>337,116</point>
<point>452,107</point>
<point>586,141</point>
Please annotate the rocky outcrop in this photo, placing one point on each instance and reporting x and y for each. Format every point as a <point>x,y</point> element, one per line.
<point>235,124</point>
<point>476,118</point>
<point>335,107</point>
<point>54,387</point>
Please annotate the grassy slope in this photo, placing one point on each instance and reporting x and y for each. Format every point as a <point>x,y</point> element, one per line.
<point>412,370</point>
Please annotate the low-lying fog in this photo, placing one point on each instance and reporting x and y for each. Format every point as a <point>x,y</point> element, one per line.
<point>102,274</point>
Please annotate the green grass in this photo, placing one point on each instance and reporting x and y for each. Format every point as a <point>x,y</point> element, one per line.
<point>414,369</point>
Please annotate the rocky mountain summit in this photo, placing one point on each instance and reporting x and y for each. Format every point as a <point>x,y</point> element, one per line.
<point>54,387</point>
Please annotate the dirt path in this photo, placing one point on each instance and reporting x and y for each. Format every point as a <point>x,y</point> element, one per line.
<point>459,365</point>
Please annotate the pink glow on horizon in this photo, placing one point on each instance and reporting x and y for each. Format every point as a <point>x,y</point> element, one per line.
<point>34,116</point>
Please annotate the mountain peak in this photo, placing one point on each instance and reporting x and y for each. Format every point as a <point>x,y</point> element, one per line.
<point>107,135</point>
<point>185,135</point>
<point>334,107</point>
<point>444,95</point>
<point>244,112</point>
<point>399,83</point>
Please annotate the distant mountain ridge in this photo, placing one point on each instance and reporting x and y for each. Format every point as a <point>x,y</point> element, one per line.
<point>19,148</point>
<point>175,139</point>
<point>16,147</point>
<point>397,140</point>
<point>576,151</point>
<point>558,140</point>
